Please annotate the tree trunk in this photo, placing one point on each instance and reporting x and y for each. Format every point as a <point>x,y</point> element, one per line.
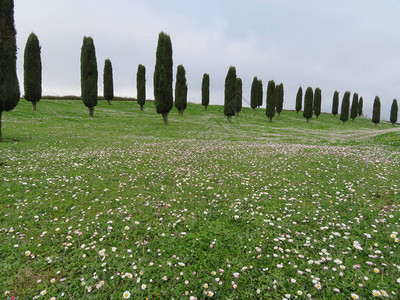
<point>34,105</point>
<point>279,114</point>
<point>229,119</point>
<point>180,112</point>
<point>165,117</point>
<point>205,108</point>
<point>1,137</point>
<point>91,111</point>
<point>317,116</point>
<point>297,112</point>
<point>344,122</point>
<point>270,120</point>
<point>236,114</point>
<point>141,107</point>
<point>308,120</point>
<point>109,102</point>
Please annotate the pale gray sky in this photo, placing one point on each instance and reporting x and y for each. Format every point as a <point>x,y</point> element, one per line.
<point>331,44</point>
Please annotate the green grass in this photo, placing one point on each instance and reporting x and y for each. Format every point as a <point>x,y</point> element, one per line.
<point>214,207</point>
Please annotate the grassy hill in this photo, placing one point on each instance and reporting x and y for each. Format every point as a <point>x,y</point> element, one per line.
<point>92,208</point>
<point>122,121</point>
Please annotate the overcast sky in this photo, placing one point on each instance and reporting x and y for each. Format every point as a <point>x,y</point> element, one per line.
<point>331,44</point>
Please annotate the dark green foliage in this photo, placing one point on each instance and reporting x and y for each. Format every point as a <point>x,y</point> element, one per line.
<point>279,98</point>
<point>254,93</point>
<point>270,109</point>
<point>238,96</point>
<point>335,103</point>
<point>163,76</point>
<point>360,106</point>
<point>317,102</point>
<point>260,93</point>
<point>108,82</point>
<point>354,107</point>
<point>230,93</point>
<point>376,111</point>
<point>141,86</point>
<point>32,70</point>
<point>89,74</point>
<point>394,110</point>
<point>308,104</point>
<point>205,91</point>
<point>299,99</point>
<point>344,111</point>
<point>181,90</point>
<point>9,86</point>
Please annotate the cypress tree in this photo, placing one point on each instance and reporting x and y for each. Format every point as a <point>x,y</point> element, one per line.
<point>260,93</point>
<point>344,112</point>
<point>376,112</point>
<point>141,86</point>
<point>394,110</point>
<point>335,103</point>
<point>9,86</point>
<point>279,93</point>
<point>205,91</point>
<point>308,104</point>
<point>108,83</point>
<point>230,93</point>
<point>317,102</point>
<point>360,106</point>
<point>89,74</point>
<point>181,90</point>
<point>32,70</point>
<point>254,93</point>
<point>270,109</point>
<point>238,95</point>
<point>299,99</point>
<point>354,107</point>
<point>163,76</point>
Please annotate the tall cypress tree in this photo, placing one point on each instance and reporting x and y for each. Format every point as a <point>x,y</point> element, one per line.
<point>394,110</point>
<point>254,93</point>
<point>230,93</point>
<point>354,107</point>
<point>317,102</point>
<point>299,99</point>
<point>335,103</point>
<point>344,111</point>
<point>238,96</point>
<point>376,112</point>
<point>108,82</point>
<point>32,70</point>
<point>163,76</point>
<point>308,104</point>
<point>360,106</point>
<point>205,91</point>
<point>89,74</point>
<point>260,93</point>
<point>141,86</point>
<point>9,86</point>
<point>181,89</point>
<point>279,94</point>
<point>270,109</point>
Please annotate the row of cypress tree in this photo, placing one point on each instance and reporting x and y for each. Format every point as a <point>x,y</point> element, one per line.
<point>233,104</point>
<point>10,94</point>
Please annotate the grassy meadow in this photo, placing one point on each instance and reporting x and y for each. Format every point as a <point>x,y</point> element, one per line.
<point>121,206</point>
